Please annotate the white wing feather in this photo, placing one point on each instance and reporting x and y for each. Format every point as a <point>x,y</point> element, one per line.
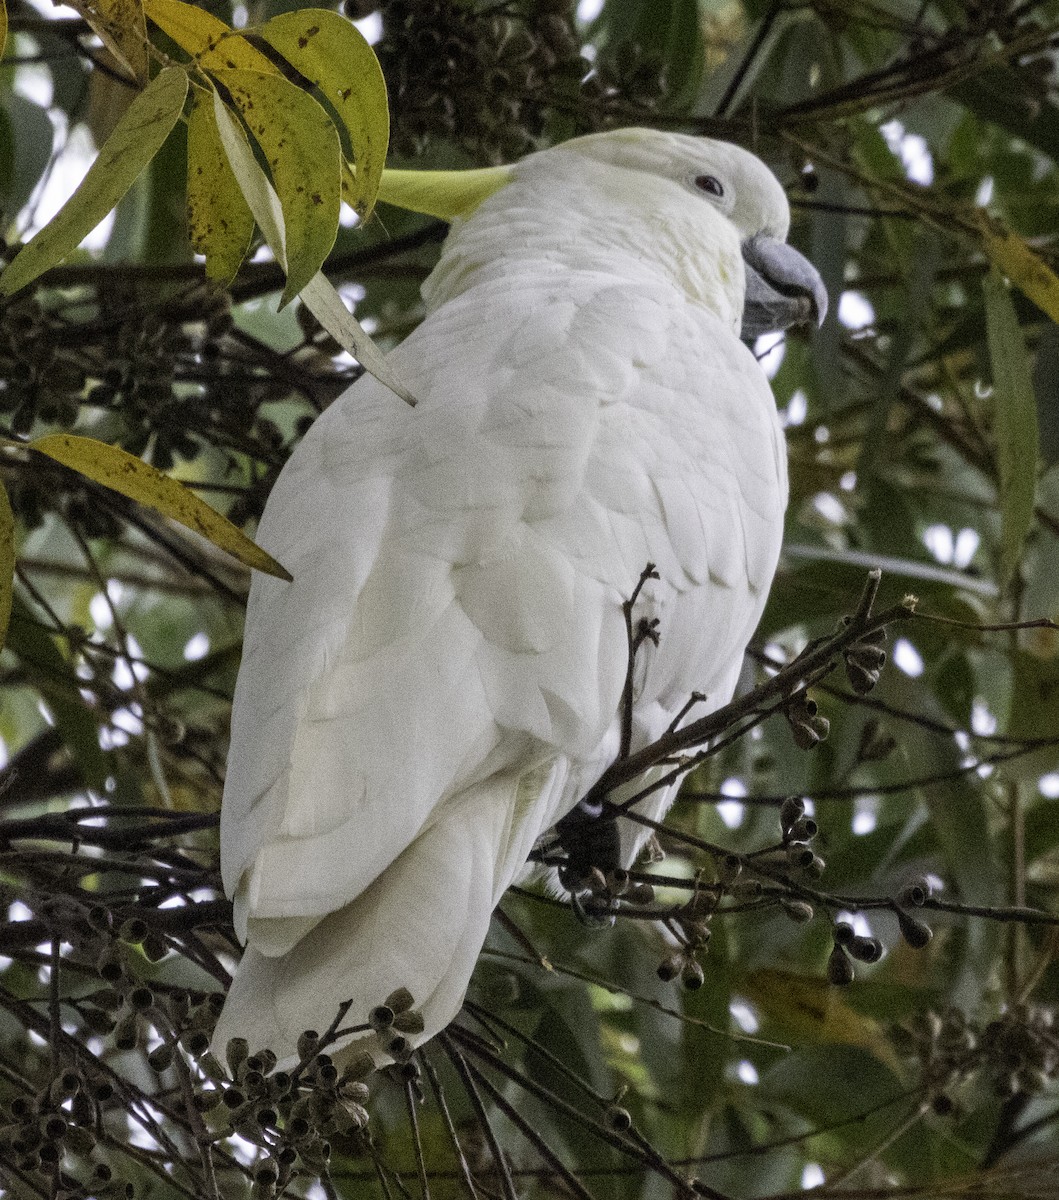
<point>441,680</point>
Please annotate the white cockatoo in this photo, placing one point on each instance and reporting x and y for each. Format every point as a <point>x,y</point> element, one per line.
<point>442,681</point>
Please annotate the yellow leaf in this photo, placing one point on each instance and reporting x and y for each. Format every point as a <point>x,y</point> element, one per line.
<point>333,55</point>
<point>121,26</point>
<point>304,155</point>
<point>812,1011</point>
<point>131,476</point>
<point>136,139</point>
<point>201,35</point>
<point>220,224</point>
<point>3,27</point>
<point>7,561</point>
<point>444,194</point>
<point>1026,270</point>
<point>318,295</point>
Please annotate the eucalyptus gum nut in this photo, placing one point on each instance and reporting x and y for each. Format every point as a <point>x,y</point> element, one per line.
<point>915,932</point>
<point>266,1172</point>
<point>731,867</point>
<point>692,976</point>
<point>381,1017</point>
<point>800,855</point>
<point>236,1053</point>
<point>868,656</point>
<point>196,1042</point>
<point>861,679</point>
<point>161,1057</point>
<point>154,948</point>
<point>359,1067</point>
<point>914,894</point>
<point>398,1047</point>
<point>821,726</point>
<point>211,1067</point>
<point>410,1021</point>
<point>798,910</point>
<point>843,933</point>
<point>141,998</point>
<point>133,930</point>
<point>109,965</point>
<point>804,829</point>
<point>126,1033</point>
<point>399,1000</point>
<point>53,1127</point>
<point>865,949</point>
<point>839,969</point>
<point>814,868</point>
<point>669,968</point>
<point>805,737</point>
<point>50,1153</point>
<point>65,1085</point>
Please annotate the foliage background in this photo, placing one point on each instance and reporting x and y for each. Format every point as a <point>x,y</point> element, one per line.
<point>894,123</point>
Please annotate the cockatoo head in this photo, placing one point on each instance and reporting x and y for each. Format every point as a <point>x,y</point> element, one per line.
<point>782,287</point>
<point>700,176</point>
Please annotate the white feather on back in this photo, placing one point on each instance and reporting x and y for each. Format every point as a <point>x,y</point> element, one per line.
<point>454,626</point>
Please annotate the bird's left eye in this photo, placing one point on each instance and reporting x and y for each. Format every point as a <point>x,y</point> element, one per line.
<point>709,184</point>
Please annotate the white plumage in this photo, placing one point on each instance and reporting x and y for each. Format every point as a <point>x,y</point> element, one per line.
<point>442,680</point>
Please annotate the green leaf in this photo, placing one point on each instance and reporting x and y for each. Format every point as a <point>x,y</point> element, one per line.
<point>136,139</point>
<point>318,295</point>
<point>131,476</point>
<point>667,31</point>
<point>995,96</point>
<point>220,223</point>
<point>333,55</point>
<point>26,139</point>
<point>53,675</point>
<point>7,560</point>
<point>1015,413</point>
<point>1035,701</point>
<point>809,1082</point>
<point>1046,389</point>
<point>304,156</point>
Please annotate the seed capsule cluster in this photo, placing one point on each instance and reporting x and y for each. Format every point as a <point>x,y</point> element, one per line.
<point>169,383</point>
<point>864,661</point>
<point>291,1115</point>
<point>850,947</point>
<point>1015,1054</point>
<point>477,75</point>
<point>490,77</point>
<point>808,726</point>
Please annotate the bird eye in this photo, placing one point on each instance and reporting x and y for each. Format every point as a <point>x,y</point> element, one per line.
<point>709,184</point>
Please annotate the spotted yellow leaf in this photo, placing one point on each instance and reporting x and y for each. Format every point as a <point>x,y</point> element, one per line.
<point>131,476</point>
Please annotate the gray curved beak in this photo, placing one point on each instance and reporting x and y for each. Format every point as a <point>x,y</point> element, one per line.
<point>783,288</point>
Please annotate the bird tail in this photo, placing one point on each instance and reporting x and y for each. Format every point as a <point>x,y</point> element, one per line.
<point>420,926</point>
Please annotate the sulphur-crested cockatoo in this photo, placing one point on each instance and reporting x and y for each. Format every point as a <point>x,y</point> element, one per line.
<point>442,681</point>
